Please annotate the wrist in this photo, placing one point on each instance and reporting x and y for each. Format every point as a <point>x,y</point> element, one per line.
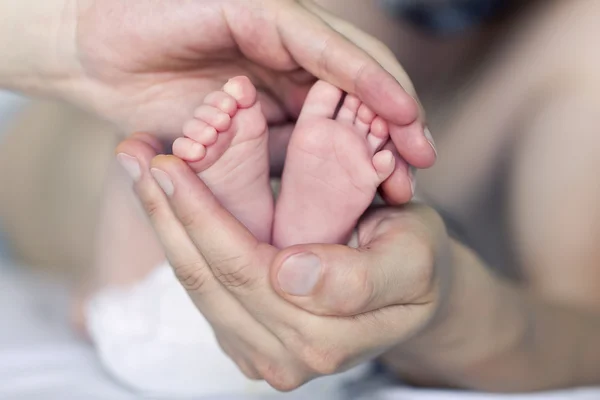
<point>492,335</point>
<point>478,319</point>
<point>38,41</point>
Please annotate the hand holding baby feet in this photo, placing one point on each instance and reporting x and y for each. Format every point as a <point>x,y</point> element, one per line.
<point>226,144</point>
<point>333,168</point>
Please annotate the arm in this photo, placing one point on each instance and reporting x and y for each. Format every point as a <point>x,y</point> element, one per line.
<point>494,336</point>
<point>36,43</point>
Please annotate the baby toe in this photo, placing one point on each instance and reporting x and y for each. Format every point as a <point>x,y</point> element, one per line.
<point>365,114</point>
<point>348,110</point>
<point>214,117</point>
<point>222,101</point>
<point>242,90</point>
<point>200,131</point>
<point>188,150</point>
<point>322,101</point>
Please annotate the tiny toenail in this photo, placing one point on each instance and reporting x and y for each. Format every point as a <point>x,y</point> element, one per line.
<point>130,165</point>
<point>299,274</point>
<point>163,180</point>
<point>429,138</point>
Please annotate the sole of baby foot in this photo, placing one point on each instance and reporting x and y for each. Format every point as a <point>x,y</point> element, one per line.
<point>226,144</point>
<point>333,168</point>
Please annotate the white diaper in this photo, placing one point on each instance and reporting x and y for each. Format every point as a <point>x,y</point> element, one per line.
<point>151,337</point>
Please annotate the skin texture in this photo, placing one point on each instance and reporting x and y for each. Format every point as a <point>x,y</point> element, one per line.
<point>147,65</point>
<point>439,310</point>
<point>333,168</point>
<point>264,39</point>
<point>234,163</point>
<point>485,332</point>
<point>251,334</point>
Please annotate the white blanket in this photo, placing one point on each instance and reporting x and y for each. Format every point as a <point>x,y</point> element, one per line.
<point>40,358</point>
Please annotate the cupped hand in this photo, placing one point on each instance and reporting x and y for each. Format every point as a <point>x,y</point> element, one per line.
<point>289,316</point>
<point>147,65</point>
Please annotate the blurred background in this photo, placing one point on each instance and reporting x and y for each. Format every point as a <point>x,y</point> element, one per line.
<point>510,89</point>
<point>53,160</point>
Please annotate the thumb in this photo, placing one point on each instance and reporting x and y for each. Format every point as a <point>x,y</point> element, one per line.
<point>395,268</point>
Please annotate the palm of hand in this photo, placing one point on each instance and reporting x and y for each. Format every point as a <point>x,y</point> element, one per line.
<point>149,64</point>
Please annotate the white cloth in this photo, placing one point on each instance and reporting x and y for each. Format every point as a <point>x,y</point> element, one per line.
<point>41,359</point>
<point>152,338</point>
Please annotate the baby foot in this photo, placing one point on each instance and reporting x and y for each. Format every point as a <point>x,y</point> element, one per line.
<point>226,144</point>
<point>333,168</point>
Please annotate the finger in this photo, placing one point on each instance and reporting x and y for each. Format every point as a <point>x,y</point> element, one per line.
<point>334,59</point>
<point>227,316</point>
<point>236,258</point>
<point>234,255</point>
<point>393,266</point>
<point>135,156</point>
<point>413,142</point>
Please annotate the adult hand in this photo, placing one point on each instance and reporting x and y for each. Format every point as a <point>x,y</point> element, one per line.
<point>147,65</point>
<point>424,302</point>
<point>289,316</point>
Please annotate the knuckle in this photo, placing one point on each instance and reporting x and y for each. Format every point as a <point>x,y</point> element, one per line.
<point>189,220</point>
<point>323,360</point>
<point>281,377</point>
<point>194,276</point>
<point>234,272</point>
<point>152,207</point>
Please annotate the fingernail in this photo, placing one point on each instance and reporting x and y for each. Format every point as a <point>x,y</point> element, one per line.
<point>130,165</point>
<point>429,138</point>
<point>299,274</point>
<point>164,181</point>
<point>412,174</point>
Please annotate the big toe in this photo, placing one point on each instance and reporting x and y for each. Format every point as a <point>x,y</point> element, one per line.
<point>322,101</point>
<point>242,90</point>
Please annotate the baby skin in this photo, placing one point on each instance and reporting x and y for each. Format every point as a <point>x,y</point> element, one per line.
<point>333,167</point>
<point>226,144</point>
